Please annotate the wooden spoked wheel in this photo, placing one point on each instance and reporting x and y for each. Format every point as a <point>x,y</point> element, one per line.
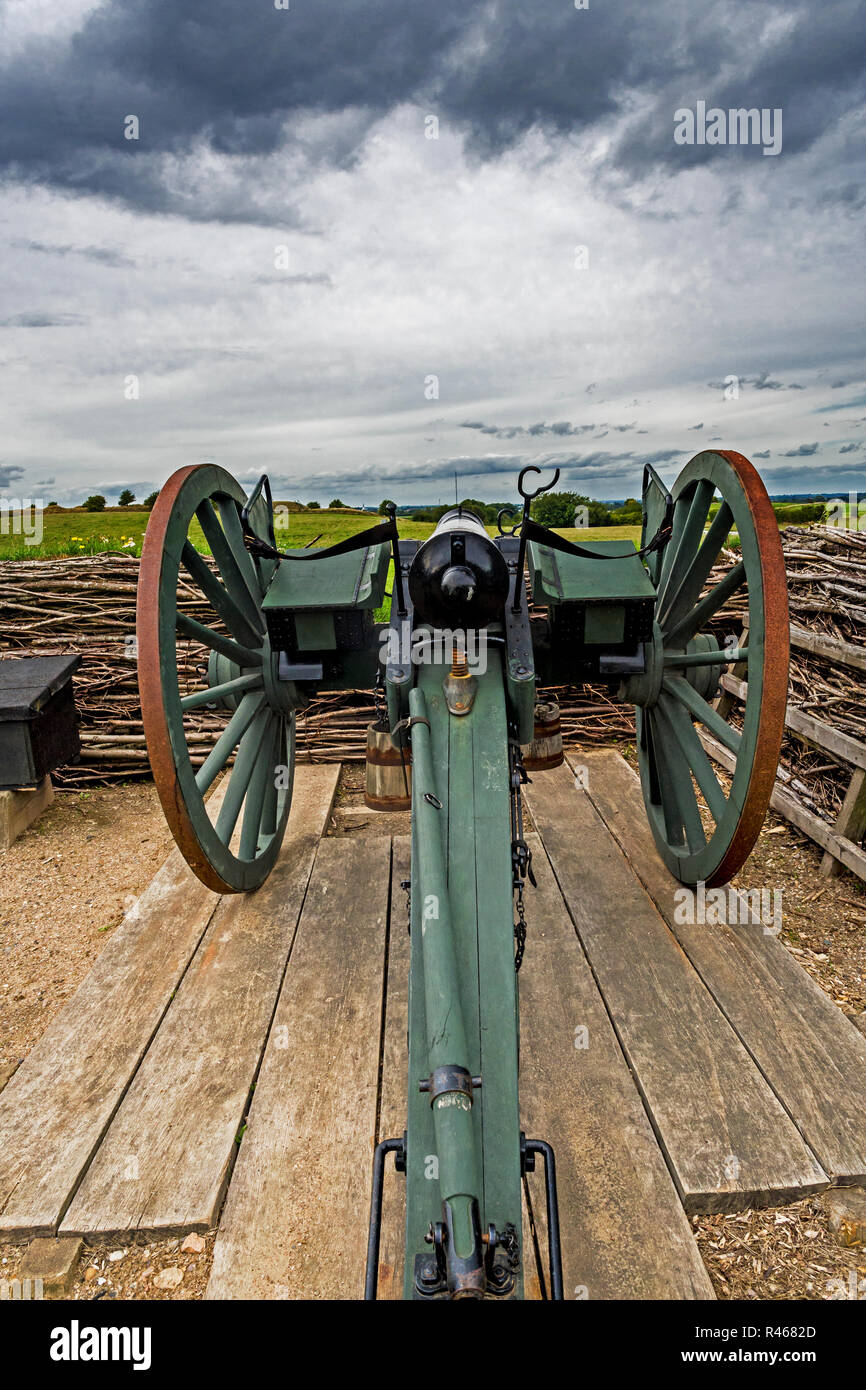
<point>703,832</point>
<point>210,616</point>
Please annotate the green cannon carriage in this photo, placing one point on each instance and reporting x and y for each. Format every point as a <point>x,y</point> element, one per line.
<point>458,666</point>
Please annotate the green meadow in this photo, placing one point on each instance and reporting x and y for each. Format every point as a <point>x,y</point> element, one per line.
<point>75,532</point>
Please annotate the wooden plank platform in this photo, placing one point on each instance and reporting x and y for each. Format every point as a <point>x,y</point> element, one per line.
<point>164,1163</point>
<point>673,1069</point>
<point>624,1233</point>
<point>810,1053</point>
<point>728,1141</point>
<point>58,1105</point>
<point>294,1224</point>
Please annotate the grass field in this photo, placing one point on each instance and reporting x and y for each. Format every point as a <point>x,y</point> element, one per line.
<point>122,529</point>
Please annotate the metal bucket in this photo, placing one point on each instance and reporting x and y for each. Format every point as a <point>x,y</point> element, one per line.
<point>389,776</point>
<point>545,750</point>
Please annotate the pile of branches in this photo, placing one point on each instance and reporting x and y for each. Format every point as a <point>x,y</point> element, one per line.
<point>826,571</point>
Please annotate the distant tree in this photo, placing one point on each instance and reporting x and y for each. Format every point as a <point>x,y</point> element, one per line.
<point>314,506</point>
<point>335,502</point>
<point>150,499</point>
<point>384,505</point>
<point>126,497</point>
<point>558,509</point>
<point>94,503</point>
<point>482,509</point>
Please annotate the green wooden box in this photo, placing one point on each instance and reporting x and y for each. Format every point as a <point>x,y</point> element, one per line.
<point>326,605</point>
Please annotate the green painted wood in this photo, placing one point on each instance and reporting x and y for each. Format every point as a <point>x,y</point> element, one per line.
<point>560,578</point>
<point>353,580</point>
<point>471,776</point>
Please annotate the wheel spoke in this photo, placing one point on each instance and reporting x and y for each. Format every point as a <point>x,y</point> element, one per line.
<point>213,693</point>
<point>667,794</point>
<point>233,530</point>
<point>670,550</point>
<point>241,656</point>
<point>680,782</point>
<point>700,615</point>
<point>228,563</point>
<point>229,739</point>
<point>679,688</point>
<point>688,589</point>
<point>269,806</point>
<point>254,805</point>
<point>241,774</point>
<point>688,542</point>
<point>220,599</point>
<point>684,732</point>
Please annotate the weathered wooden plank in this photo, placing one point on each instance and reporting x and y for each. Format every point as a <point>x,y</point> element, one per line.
<point>55,1110</point>
<point>395,1061</point>
<point>850,822</point>
<point>624,1232</point>
<point>810,1053</point>
<point>808,726</point>
<point>830,648</point>
<point>295,1219</point>
<point>727,1139</point>
<point>786,804</point>
<point>164,1163</point>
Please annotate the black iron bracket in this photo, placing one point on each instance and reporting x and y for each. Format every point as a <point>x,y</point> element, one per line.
<point>386,1146</point>
<point>528,1150</point>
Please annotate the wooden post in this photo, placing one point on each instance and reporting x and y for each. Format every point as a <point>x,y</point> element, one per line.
<point>19,809</point>
<point>851,822</point>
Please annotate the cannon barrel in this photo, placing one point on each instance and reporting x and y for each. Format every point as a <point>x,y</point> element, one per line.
<point>458,578</point>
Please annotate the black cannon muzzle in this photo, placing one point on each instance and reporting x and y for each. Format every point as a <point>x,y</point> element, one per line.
<point>458,578</point>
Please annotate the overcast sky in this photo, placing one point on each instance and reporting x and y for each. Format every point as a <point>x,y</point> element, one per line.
<point>285,266</point>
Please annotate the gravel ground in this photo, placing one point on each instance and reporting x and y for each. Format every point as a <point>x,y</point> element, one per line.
<point>65,884</point>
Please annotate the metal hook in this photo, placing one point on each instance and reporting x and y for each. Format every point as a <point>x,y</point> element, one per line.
<point>506,511</point>
<point>530,496</point>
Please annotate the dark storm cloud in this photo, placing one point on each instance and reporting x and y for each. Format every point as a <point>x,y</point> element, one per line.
<point>38,319</point>
<point>572,466</point>
<point>231,76</point>
<point>9,472</point>
<point>563,429</point>
<point>813,69</point>
<point>762,382</point>
<point>101,255</point>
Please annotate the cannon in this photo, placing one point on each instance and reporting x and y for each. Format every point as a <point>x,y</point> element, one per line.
<point>457,665</point>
